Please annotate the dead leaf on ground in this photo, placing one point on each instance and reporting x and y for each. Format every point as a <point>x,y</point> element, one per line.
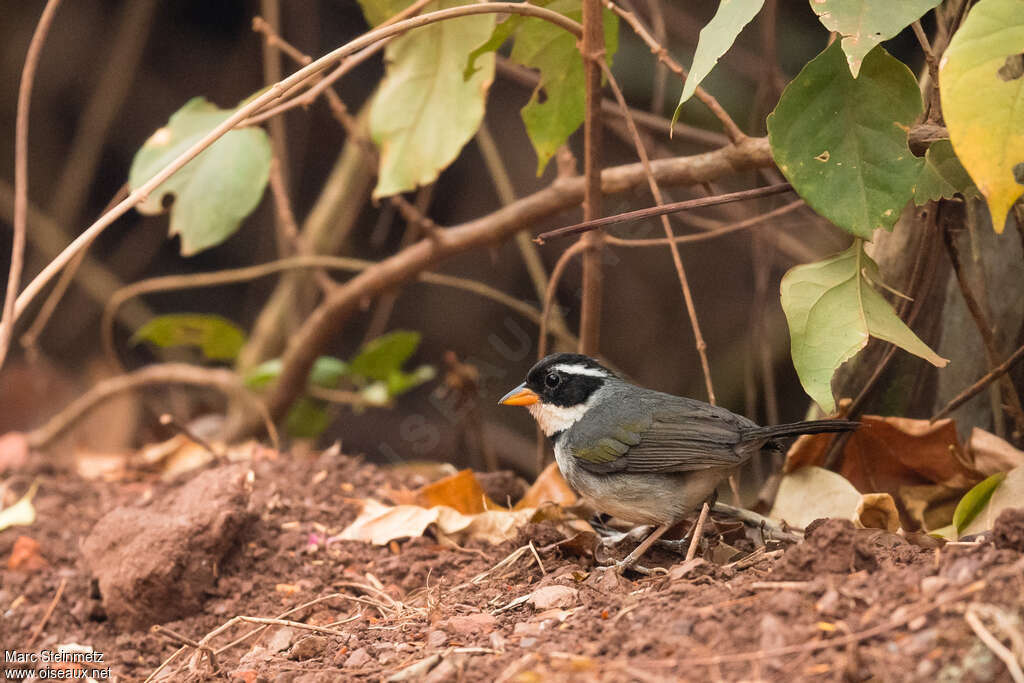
<point>460,491</point>
<point>378,523</point>
<point>98,465</point>
<point>991,454</point>
<point>550,487</point>
<point>812,493</point>
<point>22,513</point>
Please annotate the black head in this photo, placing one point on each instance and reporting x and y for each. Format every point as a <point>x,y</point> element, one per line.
<point>561,379</point>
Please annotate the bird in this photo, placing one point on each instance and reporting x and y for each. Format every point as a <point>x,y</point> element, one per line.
<point>638,454</point>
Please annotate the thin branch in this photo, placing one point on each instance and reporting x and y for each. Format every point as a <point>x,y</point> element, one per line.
<point>272,73</point>
<point>225,381</point>
<point>934,112</point>
<point>663,209</point>
<point>169,283</point>
<point>677,259</point>
<point>256,104</point>
<point>327,321</point>
<point>979,386</point>
<point>37,631</point>
<point>746,223</point>
<point>592,50</point>
<point>28,76</point>
<point>659,50</point>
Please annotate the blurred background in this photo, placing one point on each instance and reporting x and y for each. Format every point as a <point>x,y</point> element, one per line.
<point>111,74</point>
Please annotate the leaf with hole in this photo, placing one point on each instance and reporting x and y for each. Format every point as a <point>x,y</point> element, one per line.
<point>863,24</point>
<point>942,176</point>
<point>216,337</point>
<point>553,51</point>
<point>424,111</point>
<point>842,142</point>
<point>215,191</point>
<point>715,40</point>
<point>981,83</point>
<point>832,310</point>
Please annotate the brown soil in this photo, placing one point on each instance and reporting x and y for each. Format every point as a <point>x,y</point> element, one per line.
<point>845,604</point>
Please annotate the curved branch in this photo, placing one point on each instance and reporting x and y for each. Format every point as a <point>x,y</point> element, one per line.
<point>327,320</point>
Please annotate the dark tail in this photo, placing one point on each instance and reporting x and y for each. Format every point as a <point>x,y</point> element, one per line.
<point>811,427</point>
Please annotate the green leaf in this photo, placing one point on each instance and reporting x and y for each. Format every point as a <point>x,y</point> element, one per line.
<point>1007,493</point>
<point>216,337</point>
<point>263,374</point>
<point>327,372</point>
<point>424,111</point>
<point>842,142</point>
<point>384,355</point>
<point>400,382</point>
<point>308,418</point>
<point>863,24</point>
<point>975,500</point>
<point>981,82</point>
<point>942,176</point>
<point>378,11</point>
<point>551,50</point>
<point>715,40</point>
<point>832,310</point>
<point>214,191</point>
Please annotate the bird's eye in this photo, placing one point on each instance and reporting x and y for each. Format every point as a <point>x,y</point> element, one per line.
<point>552,380</point>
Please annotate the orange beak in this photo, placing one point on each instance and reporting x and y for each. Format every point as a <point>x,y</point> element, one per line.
<point>520,396</point>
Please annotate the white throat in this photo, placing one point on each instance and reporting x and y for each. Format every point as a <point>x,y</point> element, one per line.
<point>553,419</point>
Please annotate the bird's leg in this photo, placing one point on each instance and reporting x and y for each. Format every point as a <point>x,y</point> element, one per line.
<point>630,560</point>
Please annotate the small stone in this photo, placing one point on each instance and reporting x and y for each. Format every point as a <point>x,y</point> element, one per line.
<point>554,596</point>
<point>469,624</point>
<point>308,648</point>
<point>280,639</point>
<point>358,659</point>
<point>436,638</point>
<point>930,585</point>
<point>498,641</point>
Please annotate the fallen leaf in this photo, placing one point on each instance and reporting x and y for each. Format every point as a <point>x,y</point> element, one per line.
<point>21,513</point>
<point>991,454</point>
<point>25,555</point>
<point>460,491</point>
<point>97,465</point>
<point>812,493</point>
<point>378,523</point>
<point>550,487</point>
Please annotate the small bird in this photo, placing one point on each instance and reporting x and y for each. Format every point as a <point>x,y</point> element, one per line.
<point>641,455</point>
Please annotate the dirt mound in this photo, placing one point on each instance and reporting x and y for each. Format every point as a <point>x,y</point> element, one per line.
<point>1008,532</point>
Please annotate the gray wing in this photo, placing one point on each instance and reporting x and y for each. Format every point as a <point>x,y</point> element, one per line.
<point>655,432</point>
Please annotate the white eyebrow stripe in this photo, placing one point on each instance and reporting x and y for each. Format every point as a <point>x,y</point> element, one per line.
<point>576,369</point>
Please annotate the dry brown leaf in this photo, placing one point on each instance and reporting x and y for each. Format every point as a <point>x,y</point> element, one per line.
<point>460,491</point>
<point>991,454</point>
<point>888,453</point>
<point>378,523</point>
<point>100,465</point>
<point>550,487</point>
<point>25,555</point>
<point>813,493</point>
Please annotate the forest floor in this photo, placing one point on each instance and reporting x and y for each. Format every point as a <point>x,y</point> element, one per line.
<point>248,539</point>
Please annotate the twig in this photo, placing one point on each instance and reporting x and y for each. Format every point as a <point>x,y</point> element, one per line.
<point>698,532</point>
<point>168,420</point>
<point>993,644</point>
<point>976,388</point>
<point>176,637</point>
<point>752,222</point>
<point>166,373</point>
<point>674,207</point>
<point>677,259</point>
<point>934,112</point>
<point>28,76</point>
<point>592,51</point>
<point>38,630</point>
<point>659,50</point>
<point>272,73</point>
<point>222,277</point>
<point>257,103</point>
